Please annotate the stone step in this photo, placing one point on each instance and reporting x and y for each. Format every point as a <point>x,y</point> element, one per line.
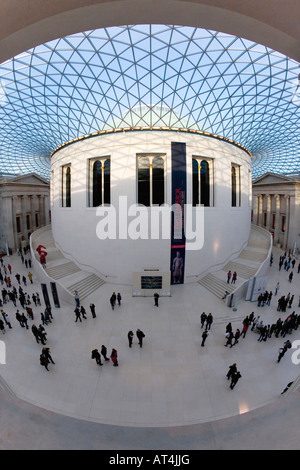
<point>62,270</point>
<point>65,271</point>
<point>253,255</point>
<point>86,286</point>
<point>216,286</point>
<point>243,271</point>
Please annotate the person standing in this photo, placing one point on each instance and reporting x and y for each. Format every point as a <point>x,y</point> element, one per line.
<point>83,312</point>
<point>140,336</point>
<point>112,301</point>
<point>2,327</point>
<point>35,332</point>
<point>203,318</point>
<point>96,355</point>
<point>234,278</point>
<point>236,337</point>
<point>92,308</point>
<point>156,297</point>
<point>234,379</point>
<point>114,357</point>
<point>228,276</point>
<point>204,336</point>
<point>130,338</point>
<point>119,298</point>
<point>104,352</point>
<point>6,319</point>
<point>24,320</point>
<point>77,300</point>
<point>209,321</point>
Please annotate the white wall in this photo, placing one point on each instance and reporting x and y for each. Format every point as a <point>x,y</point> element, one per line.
<point>226,228</point>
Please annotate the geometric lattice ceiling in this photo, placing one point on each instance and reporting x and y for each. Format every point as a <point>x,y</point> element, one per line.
<point>149,75</point>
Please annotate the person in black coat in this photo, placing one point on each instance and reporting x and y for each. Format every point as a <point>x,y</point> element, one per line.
<point>96,355</point>
<point>140,336</point>
<point>130,338</point>
<point>234,379</point>
<point>231,370</point>
<point>104,352</point>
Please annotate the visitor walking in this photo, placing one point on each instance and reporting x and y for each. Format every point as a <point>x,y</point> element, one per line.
<point>231,370</point>
<point>47,354</point>
<point>204,337</point>
<point>234,379</point>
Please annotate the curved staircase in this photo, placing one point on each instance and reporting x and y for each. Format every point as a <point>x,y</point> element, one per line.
<point>70,276</point>
<point>246,264</point>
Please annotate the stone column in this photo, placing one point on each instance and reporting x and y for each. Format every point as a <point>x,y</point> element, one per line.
<point>260,211</point>
<point>269,200</point>
<point>287,217</point>
<point>255,209</point>
<point>42,210</point>
<point>14,222</point>
<point>24,210</point>
<point>277,219</point>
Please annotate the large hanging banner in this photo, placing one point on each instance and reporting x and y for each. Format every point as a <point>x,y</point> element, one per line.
<point>178,157</point>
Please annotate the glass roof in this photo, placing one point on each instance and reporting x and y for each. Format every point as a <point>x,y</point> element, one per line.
<point>149,75</point>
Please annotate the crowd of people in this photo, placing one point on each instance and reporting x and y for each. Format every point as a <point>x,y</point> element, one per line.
<point>265,330</point>
<point>15,292</point>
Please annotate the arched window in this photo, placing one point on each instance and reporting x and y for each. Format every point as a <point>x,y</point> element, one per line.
<point>195,183</point>
<point>66,186</point>
<point>158,181</point>
<point>144,181</point>
<point>204,183</point>
<point>106,185</point>
<point>97,183</point>
<point>233,186</point>
<point>151,180</point>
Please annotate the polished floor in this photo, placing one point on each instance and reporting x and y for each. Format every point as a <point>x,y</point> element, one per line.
<point>170,394</point>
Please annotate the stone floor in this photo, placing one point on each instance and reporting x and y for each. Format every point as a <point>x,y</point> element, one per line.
<point>170,394</point>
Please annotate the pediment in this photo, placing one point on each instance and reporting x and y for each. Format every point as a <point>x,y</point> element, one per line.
<point>31,179</point>
<point>271,178</point>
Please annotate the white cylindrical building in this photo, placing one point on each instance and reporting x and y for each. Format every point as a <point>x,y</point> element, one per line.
<point>112,194</point>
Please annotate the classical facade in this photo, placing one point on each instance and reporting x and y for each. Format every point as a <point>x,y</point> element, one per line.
<point>276,207</point>
<point>24,207</point>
